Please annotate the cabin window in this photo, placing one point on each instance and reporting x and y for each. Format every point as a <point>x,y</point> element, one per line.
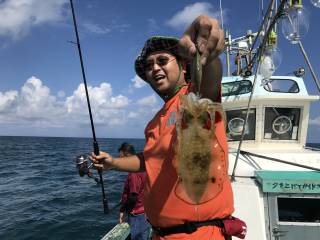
<point>281,85</point>
<point>281,123</point>
<point>236,88</point>
<point>299,209</point>
<point>235,123</point>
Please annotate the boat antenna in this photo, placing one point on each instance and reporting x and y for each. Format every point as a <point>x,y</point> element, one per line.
<point>261,9</point>
<point>221,15</point>
<point>95,143</point>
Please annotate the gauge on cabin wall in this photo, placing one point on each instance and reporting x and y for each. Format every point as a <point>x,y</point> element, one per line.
<point>281,123</point>
<point>235,123</point>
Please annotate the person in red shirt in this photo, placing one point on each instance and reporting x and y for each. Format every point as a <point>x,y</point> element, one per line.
<point>131,199</point>
<point>162,63</point>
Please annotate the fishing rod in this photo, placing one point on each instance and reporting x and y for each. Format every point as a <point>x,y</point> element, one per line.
<point>95,142</point>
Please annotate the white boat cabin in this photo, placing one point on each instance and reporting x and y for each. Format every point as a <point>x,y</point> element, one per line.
<point>276,188</point>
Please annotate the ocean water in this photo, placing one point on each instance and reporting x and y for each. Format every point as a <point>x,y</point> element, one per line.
<point>43,197</point>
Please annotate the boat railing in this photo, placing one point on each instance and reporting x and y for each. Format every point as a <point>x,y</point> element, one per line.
<point>119,232</point>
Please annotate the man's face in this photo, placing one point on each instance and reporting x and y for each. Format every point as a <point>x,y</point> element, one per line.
<point>121,154</point>
<point>162,71</point>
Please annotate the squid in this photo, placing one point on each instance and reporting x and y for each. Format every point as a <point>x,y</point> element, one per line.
<point>200,161</point>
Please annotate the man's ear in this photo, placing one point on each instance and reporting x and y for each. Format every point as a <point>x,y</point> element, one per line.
<point>184,66</point>
<point>186,70</point>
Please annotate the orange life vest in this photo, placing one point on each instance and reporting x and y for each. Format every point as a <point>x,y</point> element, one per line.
<point>162,206</point>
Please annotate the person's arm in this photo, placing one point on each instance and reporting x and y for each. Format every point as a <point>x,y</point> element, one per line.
<point>105,161</point>
<point>130,203</point>
<point>206,34</point>
<point>122,217</point>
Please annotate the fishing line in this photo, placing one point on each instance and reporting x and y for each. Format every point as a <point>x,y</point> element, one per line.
<point>262,26</point>
<point>95,143</point>
<point>259,56</point>
<point>244,153</point>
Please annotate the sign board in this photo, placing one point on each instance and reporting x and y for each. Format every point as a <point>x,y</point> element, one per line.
<point>289,181</point>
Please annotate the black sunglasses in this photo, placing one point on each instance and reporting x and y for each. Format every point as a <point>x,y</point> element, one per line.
<point>161,61</point>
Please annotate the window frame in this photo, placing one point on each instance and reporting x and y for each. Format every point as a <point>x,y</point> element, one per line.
<point>239,84</point>
<point>282,79</point>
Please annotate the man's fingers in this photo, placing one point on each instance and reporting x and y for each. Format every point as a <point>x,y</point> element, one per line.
<point>98,166</point>
<point>99,157</point>
<point>102,161</point>
<point>215,45</point>
<point>187,47</point>
<point>94,158</point>
<point>204,35</point>
<point>221,42</point>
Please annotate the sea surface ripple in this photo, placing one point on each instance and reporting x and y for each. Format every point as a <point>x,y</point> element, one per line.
<point>43,197</point>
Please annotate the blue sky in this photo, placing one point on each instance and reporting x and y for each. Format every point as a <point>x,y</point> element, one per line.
<point>40,79</point>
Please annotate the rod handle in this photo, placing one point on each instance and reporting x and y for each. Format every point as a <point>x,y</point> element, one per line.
<point>96,148</point>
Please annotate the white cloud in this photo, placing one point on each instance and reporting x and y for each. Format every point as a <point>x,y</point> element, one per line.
<point>121,27</point>
<point>149,101</point>
<point>7,100</point>
<point>96,28</point>
<point>144,110</point>
<point>36,102</point>
<point>315,121</point>
<point>18,16</point>
<point>138,82</point>
<point>34,105</point>
<point>113,26</point>
<point>31,106</point>
<point>152,26</point>
<point>34,110</point>
<point>106,108</point>
<point>183,18</point>
<point>61,94</point>
<point>99,29</point>
<point>133,115</point>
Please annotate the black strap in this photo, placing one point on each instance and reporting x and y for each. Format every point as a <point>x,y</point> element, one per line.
<point>187,227</point>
